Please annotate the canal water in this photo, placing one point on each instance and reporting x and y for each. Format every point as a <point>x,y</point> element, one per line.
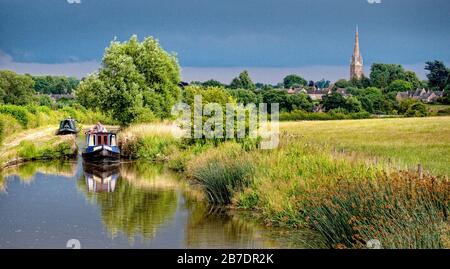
<point>132,205</point>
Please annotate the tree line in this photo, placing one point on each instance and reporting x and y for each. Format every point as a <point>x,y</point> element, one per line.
<point>140,81</point>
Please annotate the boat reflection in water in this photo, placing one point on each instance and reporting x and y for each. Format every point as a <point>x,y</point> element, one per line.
<point>100,178</point>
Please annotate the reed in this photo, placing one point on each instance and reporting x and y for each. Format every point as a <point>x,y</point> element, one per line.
<point>221,172</point>
<point>399,209</point>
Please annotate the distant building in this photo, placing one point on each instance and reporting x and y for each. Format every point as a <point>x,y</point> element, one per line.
<point>317,94</point>
<point>356,65</point>
<point>426,96</point>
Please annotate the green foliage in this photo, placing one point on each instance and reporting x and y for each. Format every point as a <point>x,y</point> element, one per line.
<point>417,109</point>
<point>412,78</point>
<point>243,81</point>
<point>55,84</point>
<point>209,95</point>
<point>221,173</point>
<point>373,100</point>
<point>401,210</point>
<point>151,148</point>
<point>342,83</point>
<point>336,100</point>
<point>360,83</point>
<point>322,84</point>
<point>287,102</point>
<point>18,112</point>
<point>29,150</point>
<point>412,108</point>
<point>244,96</point>
<point>133,75</point>
<point>16,89</point>
<point>438,74</point>
<point>290,80</point>
<point>45,100</point>
<point>212,83</point>
<point>399,86</point>
<point>382,75</point>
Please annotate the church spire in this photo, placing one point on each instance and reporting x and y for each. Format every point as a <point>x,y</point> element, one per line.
<point>356,66</point>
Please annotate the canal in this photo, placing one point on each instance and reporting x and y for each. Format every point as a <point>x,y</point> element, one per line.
<point>132,205</point>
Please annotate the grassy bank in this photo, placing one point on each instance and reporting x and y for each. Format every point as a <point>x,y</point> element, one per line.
<point>36,144</point>
<point>349,181</point>
<point>15,119</point>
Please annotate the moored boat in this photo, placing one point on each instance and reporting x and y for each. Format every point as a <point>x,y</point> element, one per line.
<point>67,126</point>
<point>101,147</point>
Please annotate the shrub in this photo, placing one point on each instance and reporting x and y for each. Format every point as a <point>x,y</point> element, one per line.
<point>19,113</point>
<point>417,109</point>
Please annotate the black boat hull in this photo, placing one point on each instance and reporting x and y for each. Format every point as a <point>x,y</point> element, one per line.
<point>67,131</point>
<point>102,156</point>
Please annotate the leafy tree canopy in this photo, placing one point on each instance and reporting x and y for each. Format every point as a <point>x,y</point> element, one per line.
<point>243,81</point>
<point>16,89</point>
<point>399,86</point>
<point>135,77</point>
<point>438,74</point>
<point>382,75</point>
<point>292,79</point>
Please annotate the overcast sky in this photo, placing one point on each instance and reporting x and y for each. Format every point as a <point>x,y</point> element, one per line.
<point>218,38</point>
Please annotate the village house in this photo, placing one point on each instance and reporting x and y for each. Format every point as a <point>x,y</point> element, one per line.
<point>316,94</point>
<point>424,95</point>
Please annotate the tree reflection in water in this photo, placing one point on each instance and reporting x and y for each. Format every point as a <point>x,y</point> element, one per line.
<point>130,208</point>
<point>26,172</point>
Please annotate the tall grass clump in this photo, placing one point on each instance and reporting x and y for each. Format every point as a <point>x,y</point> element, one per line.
<point>153,142</point>
<point>221,172</point>
<point>8,125</point>
<point>399,209</point>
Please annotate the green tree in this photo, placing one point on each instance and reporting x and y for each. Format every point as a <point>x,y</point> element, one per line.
<point>134,75</point>
<point>333,100</point>
<point>275,96</point>
<point>212,83</point>
<point>55,84</point>
<point>342,83</point>
<point>399,86</point>
<point>16,89</point>
<point>292,79</point>
<point>243,81</point>
<point>298,101</point>
<point>360,83</point>
<point>244,96</point>
<point>352,104</point>
<point>382,75</point>
<point>412,78</point>
<point>438,74</point>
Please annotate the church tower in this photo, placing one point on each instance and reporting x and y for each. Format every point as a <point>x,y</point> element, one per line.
<point>356,66</point>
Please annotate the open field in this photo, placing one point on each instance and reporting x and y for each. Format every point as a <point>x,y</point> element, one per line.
<point>400,142</point>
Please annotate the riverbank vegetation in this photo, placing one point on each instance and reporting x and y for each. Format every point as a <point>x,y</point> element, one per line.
<point>350,181</point>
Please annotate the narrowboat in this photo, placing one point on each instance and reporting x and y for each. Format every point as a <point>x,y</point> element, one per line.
<point>101,147</point>
<point>67,126</point>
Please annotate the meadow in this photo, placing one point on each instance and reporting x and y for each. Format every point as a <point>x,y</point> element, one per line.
<point>400,143</point>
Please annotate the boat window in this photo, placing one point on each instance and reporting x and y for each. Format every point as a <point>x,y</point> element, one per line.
<point>113,141</point>
<point>91,140</point>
